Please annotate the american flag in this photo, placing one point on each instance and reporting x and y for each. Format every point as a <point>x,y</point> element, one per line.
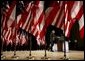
<point>38,17</point>
<point>23,16</point>
<point>52,15</point>
<point>9,10</point>
<point>35,16</point>
<point>74,10</point>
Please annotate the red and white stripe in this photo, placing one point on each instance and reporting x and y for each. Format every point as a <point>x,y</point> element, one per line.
<point>22,39</point>
<point>23,18</point>
<point>38,16</point>
<point>80,17</point>
<point>10,18</point>
<point>75,10</point>
<point>60,20</point>
<point>81,26</point>
<point>51,18</point>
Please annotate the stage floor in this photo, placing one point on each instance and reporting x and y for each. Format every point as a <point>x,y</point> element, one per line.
<point>38,54</point>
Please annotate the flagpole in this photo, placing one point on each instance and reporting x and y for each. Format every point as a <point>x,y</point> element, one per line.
<point>45,56</point>
<point>30,46</point>
<point>65,57</point>
<point>30,55</point>
<point>14,56</point>
<point>2,56</point>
